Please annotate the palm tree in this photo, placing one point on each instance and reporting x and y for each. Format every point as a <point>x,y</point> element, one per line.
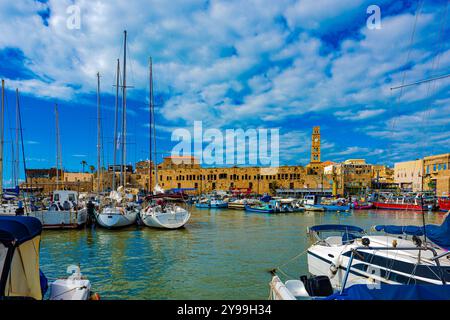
<point>92,168</point>
<point>83,164</point>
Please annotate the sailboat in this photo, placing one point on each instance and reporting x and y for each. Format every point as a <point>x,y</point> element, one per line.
<point>64,211</point>
<point>160,214</point>
<point>117,210</point>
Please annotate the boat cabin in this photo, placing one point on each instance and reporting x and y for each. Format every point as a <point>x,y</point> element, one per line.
<point>310,199</point>
<point>62,196</point>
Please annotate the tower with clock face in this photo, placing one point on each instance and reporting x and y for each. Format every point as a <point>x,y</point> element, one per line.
<point>315,146</point>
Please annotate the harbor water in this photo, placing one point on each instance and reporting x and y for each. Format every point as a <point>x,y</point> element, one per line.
<point>220,254</point>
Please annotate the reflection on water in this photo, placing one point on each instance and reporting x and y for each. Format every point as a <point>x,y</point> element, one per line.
<point>220,254</point>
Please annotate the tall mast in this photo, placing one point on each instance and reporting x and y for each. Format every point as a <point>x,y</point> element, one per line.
<point>21,137</point>
<point>154,132</point>
<point>2,120</point>
<point>150,125</point>
<point>124,111</point>
<point>16,150</point>
<point>99,148</point>
<point>116,115</point>
<point>58,160</point>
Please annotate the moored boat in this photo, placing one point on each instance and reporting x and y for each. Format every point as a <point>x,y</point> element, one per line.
<point>164,216</point>
<point>357,206</point>
<point>64,211</point>
<point>444,204</point>
<point>345,257</point>
<point>331,207</point>
<point>313,207</point>
<point>118,216</point>
<point>269,207</point>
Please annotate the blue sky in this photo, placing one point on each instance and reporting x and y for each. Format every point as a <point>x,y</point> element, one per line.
<point>233,64</point>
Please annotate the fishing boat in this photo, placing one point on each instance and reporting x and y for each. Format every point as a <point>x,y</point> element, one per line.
<point>271,207</point>
<point>20,276</point>
<point>211,202</point>
<point>237,204</point>
<point>64,211</point>
<point>391,202</point>
<point>444,204</point>
<point>362,206</point>
<point>313,207</point>
<point>331,207</point>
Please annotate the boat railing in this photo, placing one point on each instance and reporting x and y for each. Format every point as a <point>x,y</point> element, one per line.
<point>354,251</point>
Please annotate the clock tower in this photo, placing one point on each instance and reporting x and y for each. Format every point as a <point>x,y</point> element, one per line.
<point>315,146</point>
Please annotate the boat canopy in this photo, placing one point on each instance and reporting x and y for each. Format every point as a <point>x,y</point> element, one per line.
<point>19,257</point>
<point>439,235</point>
<point>18,229</point>
<point>394,292</point>
<point>336,227</point>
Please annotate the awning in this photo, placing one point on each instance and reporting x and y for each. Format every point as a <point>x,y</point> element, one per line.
<point>19,229</point>
<point>336,227</point>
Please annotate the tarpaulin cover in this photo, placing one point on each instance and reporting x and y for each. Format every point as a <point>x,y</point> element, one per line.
<point>394,292</point>
<point>439,235</point>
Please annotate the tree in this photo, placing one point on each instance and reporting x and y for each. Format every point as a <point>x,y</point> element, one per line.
<point>92,168</point>
<point>83,164</point>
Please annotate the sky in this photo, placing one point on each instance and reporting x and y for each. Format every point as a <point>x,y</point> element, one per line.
<point>283,64</point>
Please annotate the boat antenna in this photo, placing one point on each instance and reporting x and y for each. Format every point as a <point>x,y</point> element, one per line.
<point>116,115</point>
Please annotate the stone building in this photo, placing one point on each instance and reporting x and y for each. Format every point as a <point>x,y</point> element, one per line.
<point>408,175</point>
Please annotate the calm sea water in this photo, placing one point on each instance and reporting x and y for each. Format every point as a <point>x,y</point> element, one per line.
<point>220,254</point>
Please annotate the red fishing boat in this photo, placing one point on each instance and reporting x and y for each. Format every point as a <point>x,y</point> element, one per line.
<point>444,204</point>
<point>403,203</point>
<point>400,206</point>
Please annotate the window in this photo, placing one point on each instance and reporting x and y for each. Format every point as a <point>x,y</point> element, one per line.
<point>71,197</point>
<point>56,198</point>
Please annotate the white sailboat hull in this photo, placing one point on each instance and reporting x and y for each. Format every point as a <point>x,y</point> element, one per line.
<point>116,217</point>
<point>64,219</point>
<point>171,219</point>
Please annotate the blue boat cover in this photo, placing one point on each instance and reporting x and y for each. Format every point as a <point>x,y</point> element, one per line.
<point>336,227</point>
<point>394,292</point>
<point>19,229</point>
<point>266,198</point>
<point>439,235</point>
